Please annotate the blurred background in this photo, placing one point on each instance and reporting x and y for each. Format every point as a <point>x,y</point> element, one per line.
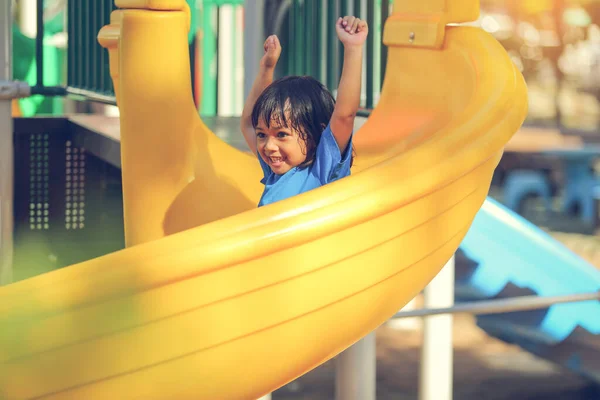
<point>548,174</point>
<point>555,43</point>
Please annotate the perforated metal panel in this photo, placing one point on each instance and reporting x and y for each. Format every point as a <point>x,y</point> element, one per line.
<point>68,202</point>
<point>74,186</point>
<point>39,212</point>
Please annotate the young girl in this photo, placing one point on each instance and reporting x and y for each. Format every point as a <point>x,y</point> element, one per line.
<point>302,136</point>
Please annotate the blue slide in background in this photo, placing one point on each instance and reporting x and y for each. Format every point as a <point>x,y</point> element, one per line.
<point>503,255</point>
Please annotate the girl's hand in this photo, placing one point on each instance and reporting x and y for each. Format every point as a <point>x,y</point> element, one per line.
<point>351,31</point>
<point>272,52</point>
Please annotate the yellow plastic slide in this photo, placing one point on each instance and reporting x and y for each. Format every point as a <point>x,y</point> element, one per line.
<point>216,299</point>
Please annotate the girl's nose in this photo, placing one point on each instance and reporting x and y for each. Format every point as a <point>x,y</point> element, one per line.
<point>270,145</point>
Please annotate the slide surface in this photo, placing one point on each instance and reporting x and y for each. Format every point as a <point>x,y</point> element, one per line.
<point>511,257</point>
<point>216,299</point>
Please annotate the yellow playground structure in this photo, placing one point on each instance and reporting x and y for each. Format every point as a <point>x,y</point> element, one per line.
<point>214,298</point>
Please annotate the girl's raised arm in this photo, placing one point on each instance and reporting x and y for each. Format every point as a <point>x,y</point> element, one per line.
<point>263,79</point>
<point>352,32</point>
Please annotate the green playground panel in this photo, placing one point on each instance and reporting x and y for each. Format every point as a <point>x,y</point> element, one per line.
<point>322,64</point>
<point>88,64</point>
<point>325,63</point>
<point>88,68</point>
<point>208,18</point>
<point>24,68</point>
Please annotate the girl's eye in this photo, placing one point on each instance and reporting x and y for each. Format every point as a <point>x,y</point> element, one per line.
<point>260,135</point>
<point>282,134</point>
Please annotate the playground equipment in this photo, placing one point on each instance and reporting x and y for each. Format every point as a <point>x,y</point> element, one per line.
<point>513,257</point>
<point>214,298</point>
<point>25,70</point>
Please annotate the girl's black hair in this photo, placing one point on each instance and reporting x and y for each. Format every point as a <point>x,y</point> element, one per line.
<point>301,103</point>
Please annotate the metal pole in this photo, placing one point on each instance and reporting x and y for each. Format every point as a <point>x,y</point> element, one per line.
<point>355,374</point>
<point>253,41</point>
<point>406,324</point>
<point>226,67</point>
<point>27,17</point>
<point>332,58</point>
<point>435,381</point>
<point>254,37</point>
<point>385,12</point>
<point>370,58</point>
<point>39,43</point>
<point>521,303</point>
<point>6,148</point>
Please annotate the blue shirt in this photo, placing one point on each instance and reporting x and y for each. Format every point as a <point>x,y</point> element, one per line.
<point>329,165</point>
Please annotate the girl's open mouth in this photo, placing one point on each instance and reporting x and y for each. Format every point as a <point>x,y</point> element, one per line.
<point>275,161</point>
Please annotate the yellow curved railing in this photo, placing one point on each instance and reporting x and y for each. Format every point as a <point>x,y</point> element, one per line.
<point>216,299</point>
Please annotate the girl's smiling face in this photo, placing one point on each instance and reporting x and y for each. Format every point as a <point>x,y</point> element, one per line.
<point>280,147</point>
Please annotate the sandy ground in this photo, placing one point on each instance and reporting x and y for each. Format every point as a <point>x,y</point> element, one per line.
<point>484,368</point>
